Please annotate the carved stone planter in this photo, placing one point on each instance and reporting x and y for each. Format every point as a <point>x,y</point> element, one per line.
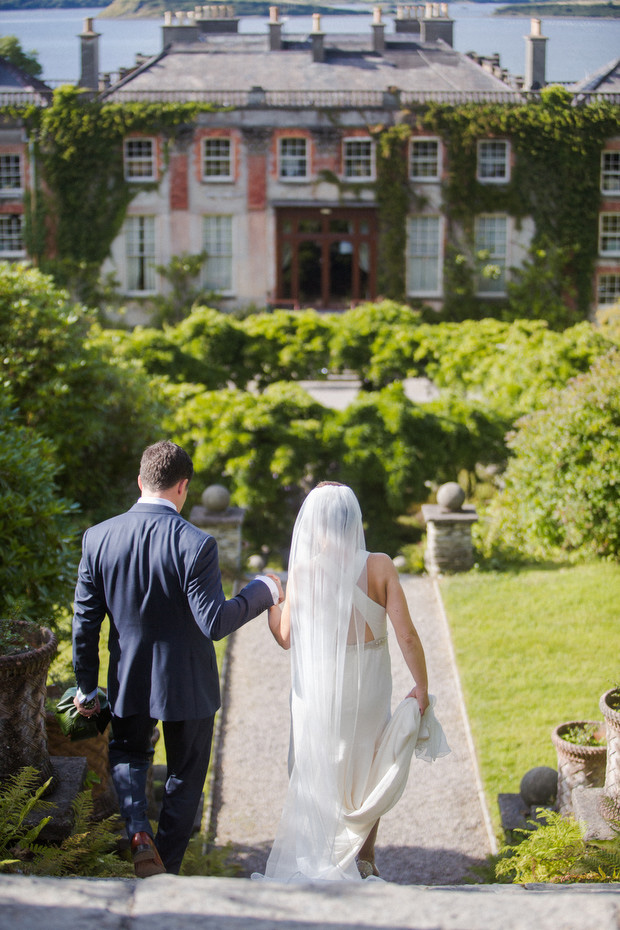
<point>610,707</point>
<point>578,765</point>
<point>23,676</point>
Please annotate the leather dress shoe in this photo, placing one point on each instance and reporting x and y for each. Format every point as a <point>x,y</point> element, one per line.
<point>146,859</point>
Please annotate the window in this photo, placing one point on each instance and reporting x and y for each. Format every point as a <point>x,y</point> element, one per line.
<point>609,241</point>
<point>424,162</point>
<point>610,172</point>
<point>423,255</point>
<point>293,158</point>
<point>493,164</point>
<point>10,173</point>
<point>139,159</point>
<point>217,243</point>
<point>491,235</point>
<point>608,290</point>
<point>11,240</point>
<point>140,251</point>
<point>359,161</point>
<point>217,159</point>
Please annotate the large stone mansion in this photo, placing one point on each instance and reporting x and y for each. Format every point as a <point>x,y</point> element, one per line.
<point>276,185</point>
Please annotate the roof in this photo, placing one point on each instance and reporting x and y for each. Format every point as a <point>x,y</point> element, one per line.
<point>243,62</point>
<point>16,86</point>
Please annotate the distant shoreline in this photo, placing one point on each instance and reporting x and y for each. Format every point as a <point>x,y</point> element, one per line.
<point>557,10</point>
<point>154,9</point>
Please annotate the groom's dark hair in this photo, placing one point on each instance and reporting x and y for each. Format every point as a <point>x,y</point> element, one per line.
<point>163,465</point>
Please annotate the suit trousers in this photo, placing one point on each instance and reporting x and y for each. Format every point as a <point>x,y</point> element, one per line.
<point>188,749</point>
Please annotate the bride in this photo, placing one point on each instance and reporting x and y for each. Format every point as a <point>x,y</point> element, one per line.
<point>349,757</point>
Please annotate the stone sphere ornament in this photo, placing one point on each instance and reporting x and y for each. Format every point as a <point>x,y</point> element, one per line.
<point>256,563</point>
<point>539,786</point>
<point>216,498</point>
<point>450,496</point>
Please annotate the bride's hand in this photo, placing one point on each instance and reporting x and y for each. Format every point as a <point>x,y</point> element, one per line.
<point>279,586</point>
<point>421,696</point>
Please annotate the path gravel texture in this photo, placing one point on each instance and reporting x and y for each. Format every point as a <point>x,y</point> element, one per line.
<point>440,827</point>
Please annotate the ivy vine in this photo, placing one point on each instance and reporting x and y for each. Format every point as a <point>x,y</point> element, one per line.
<point>81,195</point>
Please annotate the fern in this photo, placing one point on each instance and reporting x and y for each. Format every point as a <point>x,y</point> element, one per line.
<point>548,854</point>
<point>20,795</point>
<point>89,850</point>
<point>601,862</point>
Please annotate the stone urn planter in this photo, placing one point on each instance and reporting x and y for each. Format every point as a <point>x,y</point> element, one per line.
<point>26,651</point>
<point>582,754</point>
<point>610,707</point>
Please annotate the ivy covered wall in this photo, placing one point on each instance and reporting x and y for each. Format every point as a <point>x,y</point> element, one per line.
<point>81,197</point>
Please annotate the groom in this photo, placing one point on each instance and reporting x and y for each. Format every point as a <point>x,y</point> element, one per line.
<point>157,578</point>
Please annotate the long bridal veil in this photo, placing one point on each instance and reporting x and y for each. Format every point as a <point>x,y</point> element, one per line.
<point>327,633</point>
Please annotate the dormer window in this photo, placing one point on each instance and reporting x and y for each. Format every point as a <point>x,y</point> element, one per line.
<point>493,162</point>
<point>358,159</point>
<point>140,160</point>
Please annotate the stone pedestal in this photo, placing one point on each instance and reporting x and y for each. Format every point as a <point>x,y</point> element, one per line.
<point>223,522</point>
<point>448,538</point>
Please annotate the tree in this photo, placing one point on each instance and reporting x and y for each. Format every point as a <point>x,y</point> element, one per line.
<point>561,484</point>
<point>11,50</point>
<point>98,410</point>
<point>37,551</point>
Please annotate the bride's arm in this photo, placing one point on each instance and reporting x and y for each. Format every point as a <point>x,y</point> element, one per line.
<point>406,633</point>
<point>279,624</point>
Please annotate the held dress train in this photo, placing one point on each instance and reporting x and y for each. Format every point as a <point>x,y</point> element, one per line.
<point>350,757</point>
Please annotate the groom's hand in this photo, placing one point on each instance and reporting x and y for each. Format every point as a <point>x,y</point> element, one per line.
<point>278,583</point>
<point>88,709</point>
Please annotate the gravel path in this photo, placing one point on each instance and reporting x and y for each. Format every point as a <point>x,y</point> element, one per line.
<point>440,826</point>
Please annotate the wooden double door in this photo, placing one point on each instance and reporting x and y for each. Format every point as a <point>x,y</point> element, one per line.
<point>327,257</point>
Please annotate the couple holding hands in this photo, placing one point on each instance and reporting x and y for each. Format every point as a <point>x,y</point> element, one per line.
<point>157,578</point>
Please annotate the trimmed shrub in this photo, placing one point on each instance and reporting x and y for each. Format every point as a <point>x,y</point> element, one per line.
<point>561,484</point>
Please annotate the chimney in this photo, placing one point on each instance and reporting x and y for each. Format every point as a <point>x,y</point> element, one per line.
<point>275,30</point>
<point>437,24</point>
<point>89,56</point>
<point>408,19</point>
<point>535,57</point>
<point>180,27</point>
<point>378,31</point>
<point>216,18</point>
<point>318,46</point>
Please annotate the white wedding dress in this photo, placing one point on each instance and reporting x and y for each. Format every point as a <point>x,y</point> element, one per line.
<point>350,758</point>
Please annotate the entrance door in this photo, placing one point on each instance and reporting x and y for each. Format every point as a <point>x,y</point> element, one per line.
<point>326,257</point>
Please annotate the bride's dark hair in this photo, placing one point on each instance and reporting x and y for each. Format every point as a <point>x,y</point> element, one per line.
<point>331,484</point>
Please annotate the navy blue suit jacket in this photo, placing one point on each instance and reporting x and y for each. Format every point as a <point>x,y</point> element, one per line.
<point>157,578</point>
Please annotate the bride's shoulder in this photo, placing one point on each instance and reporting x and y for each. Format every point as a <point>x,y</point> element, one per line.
<point>379,563</point>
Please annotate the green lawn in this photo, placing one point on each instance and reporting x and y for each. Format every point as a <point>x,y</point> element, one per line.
<point>534,648</point>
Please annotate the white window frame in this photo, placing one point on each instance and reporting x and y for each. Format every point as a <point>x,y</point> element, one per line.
<point>12,239</point>
<point>217,158</point>
<point>488,158</point>
<point>425,159</point>
<point>140,253</point>
<point>608,289</point>
<point>488,287</point>
<point>610,172</point>
<point>609,234</point>
<point>425,251</point>
<point>350,159</point>
<point>145,164</point>
<point>8,172</point>
<point>218,269</point>
<point>286,161</point>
